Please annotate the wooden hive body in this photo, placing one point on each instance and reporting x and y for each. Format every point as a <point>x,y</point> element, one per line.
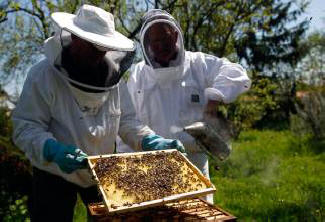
<point>184,210</point>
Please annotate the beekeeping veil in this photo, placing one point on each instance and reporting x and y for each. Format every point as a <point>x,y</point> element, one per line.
<point>96,26</point>
<point>175,67</point>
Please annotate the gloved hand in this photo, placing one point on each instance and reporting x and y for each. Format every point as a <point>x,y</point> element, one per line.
<point>155,142</point>
<point>68,158</point>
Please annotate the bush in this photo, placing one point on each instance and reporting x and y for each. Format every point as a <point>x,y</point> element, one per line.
<point>15,171</point>
<point>310,118</point>
<point>252,106</point>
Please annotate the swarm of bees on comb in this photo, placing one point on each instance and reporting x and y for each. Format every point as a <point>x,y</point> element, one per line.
<point>128,180</point>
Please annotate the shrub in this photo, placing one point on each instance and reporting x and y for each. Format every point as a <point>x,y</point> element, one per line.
<point>310,118</point>
<point>252,106</point>
<point>15,171</point>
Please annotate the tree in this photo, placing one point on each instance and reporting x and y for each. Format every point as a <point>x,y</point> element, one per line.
<point>311,68</point>
<point>26,25</point>
<point>255,31</point>
<point>310,101</point>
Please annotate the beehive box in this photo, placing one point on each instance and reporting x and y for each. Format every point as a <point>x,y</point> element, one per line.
<point>184,210</point>
<point>133,181</point>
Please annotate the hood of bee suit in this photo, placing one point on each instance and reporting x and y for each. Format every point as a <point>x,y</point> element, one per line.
<point>117,61</point>
<point>175,68</point>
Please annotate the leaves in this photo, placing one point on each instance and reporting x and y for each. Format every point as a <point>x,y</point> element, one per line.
<point>254,30</point>
<point>14,5</point>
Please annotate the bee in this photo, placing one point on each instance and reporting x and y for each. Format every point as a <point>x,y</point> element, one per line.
<point>114,206</point>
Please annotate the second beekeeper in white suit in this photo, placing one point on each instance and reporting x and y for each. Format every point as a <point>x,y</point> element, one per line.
<point>173,87</point>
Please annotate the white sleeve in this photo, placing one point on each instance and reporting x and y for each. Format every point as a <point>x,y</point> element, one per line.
<point>31,116</point>
<point>226,80</point>
<point>131,129</point>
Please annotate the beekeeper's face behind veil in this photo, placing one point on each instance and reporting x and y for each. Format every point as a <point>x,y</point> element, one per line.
<point>162,45</point>
<point>161,41</point>
<point>85,53</point>
<point>94,55</point>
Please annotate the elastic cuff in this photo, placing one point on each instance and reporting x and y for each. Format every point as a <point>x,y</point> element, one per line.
<point>213,94</point>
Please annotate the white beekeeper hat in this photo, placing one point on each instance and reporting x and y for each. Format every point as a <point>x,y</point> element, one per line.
<point>95,25</point>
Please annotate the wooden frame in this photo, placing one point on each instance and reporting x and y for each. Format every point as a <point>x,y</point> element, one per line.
<point>152,203</point>
<point>185,210</point>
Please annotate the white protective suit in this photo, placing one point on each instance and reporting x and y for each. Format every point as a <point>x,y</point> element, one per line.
<point>49,107</point>
<point>177,95</point>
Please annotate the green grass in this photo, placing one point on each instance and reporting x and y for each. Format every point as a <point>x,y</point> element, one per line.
<point>80,212</point>
<point>270,176</point>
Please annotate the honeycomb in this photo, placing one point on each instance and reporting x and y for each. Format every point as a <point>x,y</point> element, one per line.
<point>131,179</point>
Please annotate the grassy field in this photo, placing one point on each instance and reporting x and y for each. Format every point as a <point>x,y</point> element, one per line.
<point>273,176</point>
<point>270,176</point>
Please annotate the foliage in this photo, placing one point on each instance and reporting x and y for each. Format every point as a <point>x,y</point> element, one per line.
<point>80,211</point>
<point>310,93</point>
<point>305,81</point>
<point>26,25</point>
<point>252,106</point>
<point>278,118</point>
<point>273,176</point>
<point>256,31</point>
<point>294,81</point>
<point>310,69</point>
<point>15,180</point>
<point>17,210</point>
<point>310,117</point>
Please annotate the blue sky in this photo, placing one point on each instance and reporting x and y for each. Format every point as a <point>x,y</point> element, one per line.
<point>316,10</point>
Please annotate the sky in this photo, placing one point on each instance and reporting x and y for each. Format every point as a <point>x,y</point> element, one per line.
<point>316,10</point>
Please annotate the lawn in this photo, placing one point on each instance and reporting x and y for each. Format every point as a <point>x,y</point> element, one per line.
<point>270,176</point>
<point>273,176</point>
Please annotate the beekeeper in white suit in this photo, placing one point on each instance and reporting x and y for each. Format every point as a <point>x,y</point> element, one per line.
<point>72,106</point>
<point>173,87</point>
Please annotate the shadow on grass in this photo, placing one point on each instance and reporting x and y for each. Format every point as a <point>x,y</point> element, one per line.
<point>286,211</point>
<point>317,146</point>
<point>307,145</point>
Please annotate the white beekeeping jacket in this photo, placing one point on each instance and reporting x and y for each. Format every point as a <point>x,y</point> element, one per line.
<point>177,95</point>
<point>48,109</point>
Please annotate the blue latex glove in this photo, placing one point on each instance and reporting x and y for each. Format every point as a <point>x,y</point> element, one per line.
<point>68,158</point>
<point>155,142</point>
